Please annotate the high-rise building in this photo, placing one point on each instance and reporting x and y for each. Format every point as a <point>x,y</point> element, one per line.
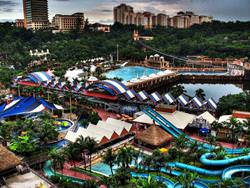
<point>187,19</point>
<point>125,14</point>
<point>35,14</point>
<point>64,23</point>
<point>162,20</point>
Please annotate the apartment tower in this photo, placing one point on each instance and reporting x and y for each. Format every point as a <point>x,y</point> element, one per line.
<point>35,14</point>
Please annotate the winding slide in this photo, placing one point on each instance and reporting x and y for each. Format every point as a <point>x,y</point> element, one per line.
<point>49,171</point>
<point>206,160</point>
<point>175,132</point>
<point>168,183</point>
<point>228,172</point>
<point>170,128</point>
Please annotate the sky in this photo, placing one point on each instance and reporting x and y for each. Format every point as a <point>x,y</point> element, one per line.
<point>101,10</point>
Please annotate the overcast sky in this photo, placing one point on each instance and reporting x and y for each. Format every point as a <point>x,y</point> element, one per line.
<point>101,10</point>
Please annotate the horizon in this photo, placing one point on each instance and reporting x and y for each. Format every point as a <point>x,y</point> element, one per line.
<point>102,11</point>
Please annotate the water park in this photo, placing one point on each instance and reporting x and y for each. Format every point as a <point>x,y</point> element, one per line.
<point>120,132</point>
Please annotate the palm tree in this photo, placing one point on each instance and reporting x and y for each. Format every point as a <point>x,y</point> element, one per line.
<point>147,183</point>
<point>187,178</point>
<point>109,158</point>
<point>91,146</point>
<point>70,152</point>
<point>146,162</point>
<point>200,93</point>
<point>81,145</point>
<point>124,157</point>
<point>180,143</point>
<point>135,155</point>
<point>177,90</point>
<point>57,158</point>
<point>158,160</point>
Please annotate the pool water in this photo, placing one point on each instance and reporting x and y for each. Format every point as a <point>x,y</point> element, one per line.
<point>63,124</point>
<point>130,72</point>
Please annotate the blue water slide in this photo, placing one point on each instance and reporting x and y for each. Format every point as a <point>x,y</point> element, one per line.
<point>206,160</point>
<point>196,169</point>
<point>163,124</point>
<point>164,120</point>
<point>170,128</point>
<point>228,172</point>
<point>168,183</point>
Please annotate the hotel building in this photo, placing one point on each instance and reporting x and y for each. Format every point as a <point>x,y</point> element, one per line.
<point>65,23</point>
<point>35,14</point>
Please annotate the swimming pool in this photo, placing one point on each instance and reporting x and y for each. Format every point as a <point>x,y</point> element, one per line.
<point>63,124</point>
<point>130,72</point>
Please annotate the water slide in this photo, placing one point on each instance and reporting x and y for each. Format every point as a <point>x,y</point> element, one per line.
<point>196,169</point>
<point>168,183</point>
<point>228,172</point>
<point>165,124</point>
<point>206,160</point>
<point>170,128</point>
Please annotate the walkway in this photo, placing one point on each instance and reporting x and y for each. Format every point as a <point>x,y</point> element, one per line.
<point>104,115</point>
<point>67,171</point>
<point>224,144</point>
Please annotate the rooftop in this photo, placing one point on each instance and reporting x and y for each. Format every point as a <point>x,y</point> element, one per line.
<point>178,118</point>
<point>8,159</point>
<point>154,136</point>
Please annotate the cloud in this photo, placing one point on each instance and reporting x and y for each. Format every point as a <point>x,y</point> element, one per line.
<point>7,6</point>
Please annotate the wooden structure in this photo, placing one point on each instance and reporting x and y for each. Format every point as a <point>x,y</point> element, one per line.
<point>153,137</point>
<point>8,161</point>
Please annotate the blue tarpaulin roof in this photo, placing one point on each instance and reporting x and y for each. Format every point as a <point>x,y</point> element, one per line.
<point>27,105</point>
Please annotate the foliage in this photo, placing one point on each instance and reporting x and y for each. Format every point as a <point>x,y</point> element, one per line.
<point>216,39</point>
<point>233,102</point>
<point>109,158</point>
<point>23,144</point>
<point>147,183</point>
<point>177,90</point>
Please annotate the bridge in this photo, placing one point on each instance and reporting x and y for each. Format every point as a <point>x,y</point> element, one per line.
<point>140,42</point>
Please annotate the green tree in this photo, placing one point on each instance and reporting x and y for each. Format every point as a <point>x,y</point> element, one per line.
<point>200,93</point>
<point>109,158</point>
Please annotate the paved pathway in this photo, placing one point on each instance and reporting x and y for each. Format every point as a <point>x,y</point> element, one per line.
<point>224,144</point>
<point>67,171</point>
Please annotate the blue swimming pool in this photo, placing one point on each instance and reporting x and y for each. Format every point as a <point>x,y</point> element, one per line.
<point>63,124</point>
<point>130,72</point>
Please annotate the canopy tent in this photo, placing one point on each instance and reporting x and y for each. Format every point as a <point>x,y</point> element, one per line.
<point>168,98</point>
<point>142,95</point>
<point>130,94</point>
<point>155,97</point>
<point>183,100</point>
<point>211,102</point>
<point>39,77</point>
<point>197,102</point>
<point>25,106</point>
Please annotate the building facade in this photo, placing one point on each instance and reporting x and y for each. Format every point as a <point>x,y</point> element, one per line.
<point>65,23</point>
<point>125,15</point>
<point>35,14</point>
<point>20,23</point>
<point>187,19</point>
